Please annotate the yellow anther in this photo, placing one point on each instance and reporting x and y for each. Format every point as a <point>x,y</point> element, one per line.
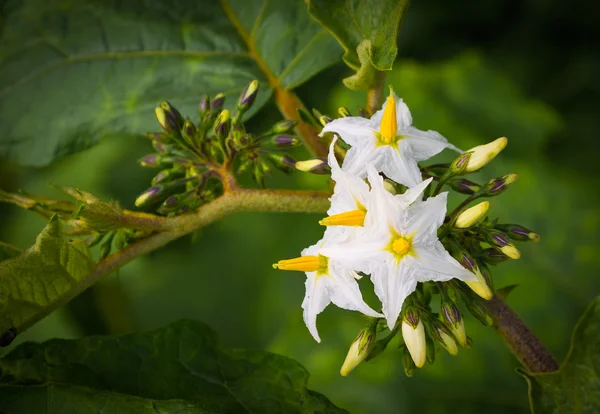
<point>349,218</point>
<point>401,246</point>
<point>389,124</point>
<point>304,264</point>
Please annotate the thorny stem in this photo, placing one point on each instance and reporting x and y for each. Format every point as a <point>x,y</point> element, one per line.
<point>528,349</point>
<point>235,200</point>
<point>375,94</point>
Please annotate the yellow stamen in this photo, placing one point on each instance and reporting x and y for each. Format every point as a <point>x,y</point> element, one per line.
<point>349,218</point>
<point>389,124</point>
<point>304,264</point>
<point>401,246</point>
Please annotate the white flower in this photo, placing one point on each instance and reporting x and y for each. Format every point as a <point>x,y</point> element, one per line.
<point>351,194</point>
<point>398,246</point>
<point>389,142</point>
<point>327,280</point>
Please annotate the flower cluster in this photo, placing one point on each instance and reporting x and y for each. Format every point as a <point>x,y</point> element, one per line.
<point>197,158</point>
<point>388,221</point>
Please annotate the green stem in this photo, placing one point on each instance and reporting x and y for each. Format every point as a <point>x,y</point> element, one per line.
<point>375,94</point>
<point>236,200</point>
<point>528,349</point>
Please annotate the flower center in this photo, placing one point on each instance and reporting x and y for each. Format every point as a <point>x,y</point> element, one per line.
<point>317,264</point>
<point>401,246</point>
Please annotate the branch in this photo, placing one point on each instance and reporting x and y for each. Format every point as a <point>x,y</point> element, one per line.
<point>528,349</point>
<point>237,200</point>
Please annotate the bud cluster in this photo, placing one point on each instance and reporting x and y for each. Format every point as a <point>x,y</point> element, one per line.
<point>196,159</point>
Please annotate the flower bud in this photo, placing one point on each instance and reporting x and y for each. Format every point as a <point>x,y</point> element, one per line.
<point>443,336</point>
<point>159,137</point>
<point>464,186</point>
<point>498,185</point>
<point>459,165</point>
<point>283,127</point>
<point>258,174</point>
<point>517,232</point>
<point>472,215</point>
<point>480,312</point>
<point>222,125</point>
<point>500,241</point>
<point>282,162</point>
<point>164,121</point>
<point>248,97</point>
<point>492,256</point>
<point>106,245</point>
<point>344,112</point>
<point>453,319</point>
<point>389,186</point>
<point>150,160</point>
<point>430,351</point>
<point>479,286</point>
<point>360,348</point>
<point>189,133</point>
<point>204,107</point>
<point>315,166</point>
<point>481,155</point>
<point>284,141</point>
<point>167,175</point>
<point>413,333</point>
<point>172,117</point>
<point>217,103</point>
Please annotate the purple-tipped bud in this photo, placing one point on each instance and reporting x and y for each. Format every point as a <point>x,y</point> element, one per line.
<point>149,196</point>
<point>492,256</point>
<point>466,261</point>
<point>480,312</point>
<point>459,165</point>
<point>487,275</point>
<point>464,186</point>
<point>411,316</point>
<point>217,103</point>
<point>248,97</point>
<point>158,137</point>
<point>282,162</point>
<point>285,141</point>
<point>498,185</point>
<point>189,132</point>
<point>498,239</point>
<point>315,166</point>
<point>167,175</point>
<point>450,313</point>
<point>150,160</point>
<point>442,335</point>
<point>283,127</point>
<point>204,106</point>
<point>518,232</point>
<point>222,125</point>
<point>173,117</point>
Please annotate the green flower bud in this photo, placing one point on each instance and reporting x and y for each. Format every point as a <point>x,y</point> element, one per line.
<point>284,141</point>
<point>189,133</point>
<point>360,348</point>
<point>492,256</point>
<point>217,103</point>
<point>430,351</point>
<point>408,362</point>
<point>459,165</point>
<point>344,112</point>
<point>480,312</point>
<point>169,118</point>
<point>517,232</point>
<point>282,162</point>
<point>442,335</point>
<point>464,186</point>
<point>452,318</point>
<point>498,185</point>
<point>204,107</point>
<point>150,160</point>
<point>245,101</point>
<point>283,127</point>
<point>222,125</point>
<point>106,245</point>
<point>324,120</point>
<point>168,175</point>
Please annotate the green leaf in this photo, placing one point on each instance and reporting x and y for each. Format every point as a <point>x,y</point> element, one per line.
<point>32,283</point>
<point>72,72</point>
<point>180,368</point>
<point>367,30</point>
<point>575,387</point>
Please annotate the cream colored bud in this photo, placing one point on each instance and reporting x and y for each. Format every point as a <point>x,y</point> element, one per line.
<point>389,187</point>
<point>479,286</point>
<point>316,165</point>
<point>511,251</point>
<point>472,215</point>
<point>483,154</point>
<point>414,338</point>
<point>458,330</point>
<point>357,353</point>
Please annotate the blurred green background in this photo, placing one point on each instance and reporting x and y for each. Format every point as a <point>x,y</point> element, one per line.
<point>522,69</point>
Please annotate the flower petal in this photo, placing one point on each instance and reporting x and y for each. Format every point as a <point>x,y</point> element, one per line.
<point>413,194</point>
<point>434,263</point>
<point>352,129</point>
<point>358,253</point>
<point>358,157</point>
<point>423,144</point>
<point>315,301</point>
<point>423,219</point>
<point>393,283</point>
<point>345,292</point>
<point>400,166</point>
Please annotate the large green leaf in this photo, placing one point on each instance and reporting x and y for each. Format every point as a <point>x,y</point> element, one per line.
<point>180,368</point>
<point>73,71</point>
<point>367,30</point>
<point>575,387</point>
<point>32,282</point>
